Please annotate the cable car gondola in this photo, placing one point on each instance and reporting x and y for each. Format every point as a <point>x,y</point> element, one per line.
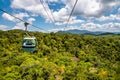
<point>28,42</point>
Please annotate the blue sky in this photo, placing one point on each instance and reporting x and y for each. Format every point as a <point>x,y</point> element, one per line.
<point>92,15</point>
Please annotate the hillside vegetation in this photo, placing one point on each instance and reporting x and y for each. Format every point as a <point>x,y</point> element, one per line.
<point>60,57</point>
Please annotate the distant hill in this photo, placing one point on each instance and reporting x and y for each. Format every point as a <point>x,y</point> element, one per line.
<point>76,31</point>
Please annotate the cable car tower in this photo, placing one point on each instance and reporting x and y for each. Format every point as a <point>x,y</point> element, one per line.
<point>29,42</point>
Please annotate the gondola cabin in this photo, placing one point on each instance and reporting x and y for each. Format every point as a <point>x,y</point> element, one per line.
<point>29,44</point>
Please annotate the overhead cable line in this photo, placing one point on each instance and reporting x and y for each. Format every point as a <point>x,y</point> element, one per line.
<point>11,15</point>
<point>51,13</point>
<point>42,3</point>
<point>71,13</point>
<point>21,20</point>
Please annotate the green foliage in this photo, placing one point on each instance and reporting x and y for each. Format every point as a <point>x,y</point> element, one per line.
<point>60,57</point>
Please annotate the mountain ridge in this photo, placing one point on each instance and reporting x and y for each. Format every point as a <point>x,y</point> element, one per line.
<point>77,31</point>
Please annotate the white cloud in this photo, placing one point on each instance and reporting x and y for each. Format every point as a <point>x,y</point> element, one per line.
<point>10,18</point>
<point>32,6</point>
<point>104,18</point>
<point>21,25</point>
<point>3,27</point>
<point>61,15</point>
<point>109,18</point>
<point>85,8</point>
<point>35,7</point>
<point>90,26</point>
<point>63,29</point>
<point>52,0</point>
<point>21,15</point>
<point>92,8</point>
<point>108,27</point>
<point>30,20</point>
<point>119,10</point>
<point>24,3</point>
<point>75,21</point>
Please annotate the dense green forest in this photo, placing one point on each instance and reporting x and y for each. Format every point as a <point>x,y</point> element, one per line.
<point>60,56</point>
